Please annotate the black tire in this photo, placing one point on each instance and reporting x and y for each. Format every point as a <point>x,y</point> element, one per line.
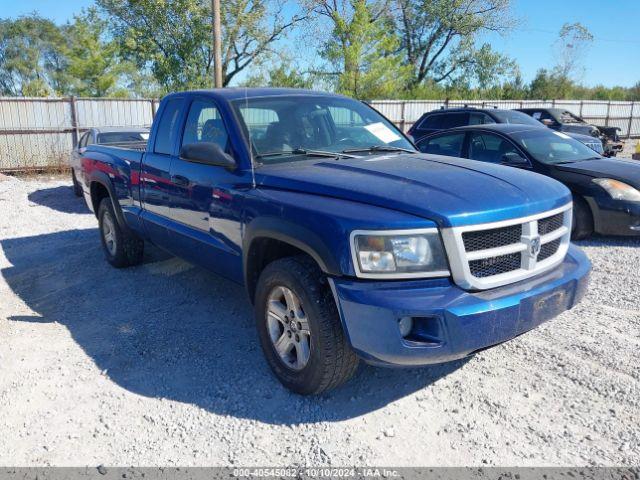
<point>122,248</point>
<point>331,360</point>
<point>77,188</point>
<point>582,225</point>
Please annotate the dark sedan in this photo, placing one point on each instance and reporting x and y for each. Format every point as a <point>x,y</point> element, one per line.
<point>606,192</point>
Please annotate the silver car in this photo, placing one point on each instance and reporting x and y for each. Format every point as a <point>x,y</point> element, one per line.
<point>128,137</point>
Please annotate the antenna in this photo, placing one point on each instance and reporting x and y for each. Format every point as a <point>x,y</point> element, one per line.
<point>253,167</point>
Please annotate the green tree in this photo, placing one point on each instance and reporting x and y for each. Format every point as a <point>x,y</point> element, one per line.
<point>94,67</point>
<point>172,38</point>
<point>438,36</point>
<point>362,49</point>
<point>32,61</point>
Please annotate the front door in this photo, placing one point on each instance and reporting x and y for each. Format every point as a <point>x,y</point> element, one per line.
<point>205,223</point>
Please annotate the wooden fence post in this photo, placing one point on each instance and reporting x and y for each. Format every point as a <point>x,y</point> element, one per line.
<point>75,134</point>
<point>633,105</point>
<point>402,113</point>
<point>581,105</point>
<point>606,120</point>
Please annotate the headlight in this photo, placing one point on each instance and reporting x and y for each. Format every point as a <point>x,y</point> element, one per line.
<point>398,254</point>
<point>618,190</point>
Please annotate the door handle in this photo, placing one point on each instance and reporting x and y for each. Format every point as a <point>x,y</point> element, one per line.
<point>180,180</point>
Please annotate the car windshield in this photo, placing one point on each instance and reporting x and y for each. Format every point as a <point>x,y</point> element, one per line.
<point>291,127</point>
<point>568,117</point>
<point>121,137</point>
<point>512,116</point>
<point>553,148</point>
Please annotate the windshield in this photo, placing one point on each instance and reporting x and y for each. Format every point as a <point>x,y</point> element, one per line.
<point>286,128</point>
<point>512,116</point>
<point>551,147</point>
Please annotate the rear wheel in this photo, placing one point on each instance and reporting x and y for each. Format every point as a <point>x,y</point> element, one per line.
<point>122,248</point>
<point>582,225</point>
<point>300,329</point>
<point>77,188</point>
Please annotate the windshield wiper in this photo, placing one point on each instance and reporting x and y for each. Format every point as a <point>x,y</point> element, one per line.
<point>308,153</point>
<point>379,148</point>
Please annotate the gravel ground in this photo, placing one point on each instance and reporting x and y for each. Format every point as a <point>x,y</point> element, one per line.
<point>160,365</point>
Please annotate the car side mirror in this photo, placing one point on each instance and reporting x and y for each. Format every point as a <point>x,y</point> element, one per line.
<point>514,159</point>
<point>207,153</point>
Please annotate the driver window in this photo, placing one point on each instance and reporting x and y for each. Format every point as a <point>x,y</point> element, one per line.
<point>487,147</point>
<point>204,124</point>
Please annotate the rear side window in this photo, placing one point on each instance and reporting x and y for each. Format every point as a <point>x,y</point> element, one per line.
<point>168,127</point>
<point>452,120</point>
<point>450,145</point>
<point>479,118</point>
<point>432,121</point>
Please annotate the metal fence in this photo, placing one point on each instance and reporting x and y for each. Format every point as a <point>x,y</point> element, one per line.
<point>624,115</point>
<point>40,132</point>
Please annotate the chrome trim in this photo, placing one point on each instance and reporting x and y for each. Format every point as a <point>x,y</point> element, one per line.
<point>393,275</point>
<point>459,258</point>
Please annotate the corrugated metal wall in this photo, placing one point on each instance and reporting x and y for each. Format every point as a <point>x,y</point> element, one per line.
<point>40,132</point>
<point>625,115</point>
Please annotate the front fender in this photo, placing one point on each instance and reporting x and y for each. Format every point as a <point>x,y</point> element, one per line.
<point>294,234</point>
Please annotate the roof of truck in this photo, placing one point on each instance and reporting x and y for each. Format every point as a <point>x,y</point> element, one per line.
<point>234,93</point>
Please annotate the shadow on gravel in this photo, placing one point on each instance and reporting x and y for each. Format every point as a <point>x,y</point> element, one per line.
<point>60,198</point>
<point>167,329</point>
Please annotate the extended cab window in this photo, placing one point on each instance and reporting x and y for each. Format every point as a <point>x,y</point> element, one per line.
<point>488,147</point>
<point>167,131</point>
<point>450,145</point>
<point>204,124</point>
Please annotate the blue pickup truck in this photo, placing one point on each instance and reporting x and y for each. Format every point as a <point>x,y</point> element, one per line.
<point>350,243</point>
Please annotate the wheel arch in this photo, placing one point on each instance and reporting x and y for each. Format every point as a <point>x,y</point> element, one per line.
<point>268,239</point>
<point>100,186</point>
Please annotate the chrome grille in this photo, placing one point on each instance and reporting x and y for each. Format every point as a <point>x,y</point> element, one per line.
<point>490,255</point>
<point>488,267</point>
<point>497,237</point>
<point>550,224</point>
<point>548,249</point>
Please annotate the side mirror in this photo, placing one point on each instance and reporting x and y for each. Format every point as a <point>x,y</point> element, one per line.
<point>207,153</point>
<point>548,122</point>
<point>514,159</point>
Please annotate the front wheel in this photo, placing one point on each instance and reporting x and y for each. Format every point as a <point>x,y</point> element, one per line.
<point>300,329</point>
<point>582,224</point>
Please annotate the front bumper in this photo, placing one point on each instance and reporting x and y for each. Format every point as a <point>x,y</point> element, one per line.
<point>454,322</point>
<point>615,217</point>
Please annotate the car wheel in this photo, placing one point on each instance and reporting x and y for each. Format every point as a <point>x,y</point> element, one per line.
<point>582,224</point>
<point>77,188</point>
<point>122,248</point>
<point>299,327</point>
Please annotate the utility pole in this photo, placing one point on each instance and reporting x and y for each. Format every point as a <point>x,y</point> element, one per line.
<point>217,44</point>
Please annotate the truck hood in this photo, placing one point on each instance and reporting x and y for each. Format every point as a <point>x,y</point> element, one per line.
<point>450,191</point>
<point>627,171</point>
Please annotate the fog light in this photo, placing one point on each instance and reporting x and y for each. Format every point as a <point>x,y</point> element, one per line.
<point>405,324</point>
